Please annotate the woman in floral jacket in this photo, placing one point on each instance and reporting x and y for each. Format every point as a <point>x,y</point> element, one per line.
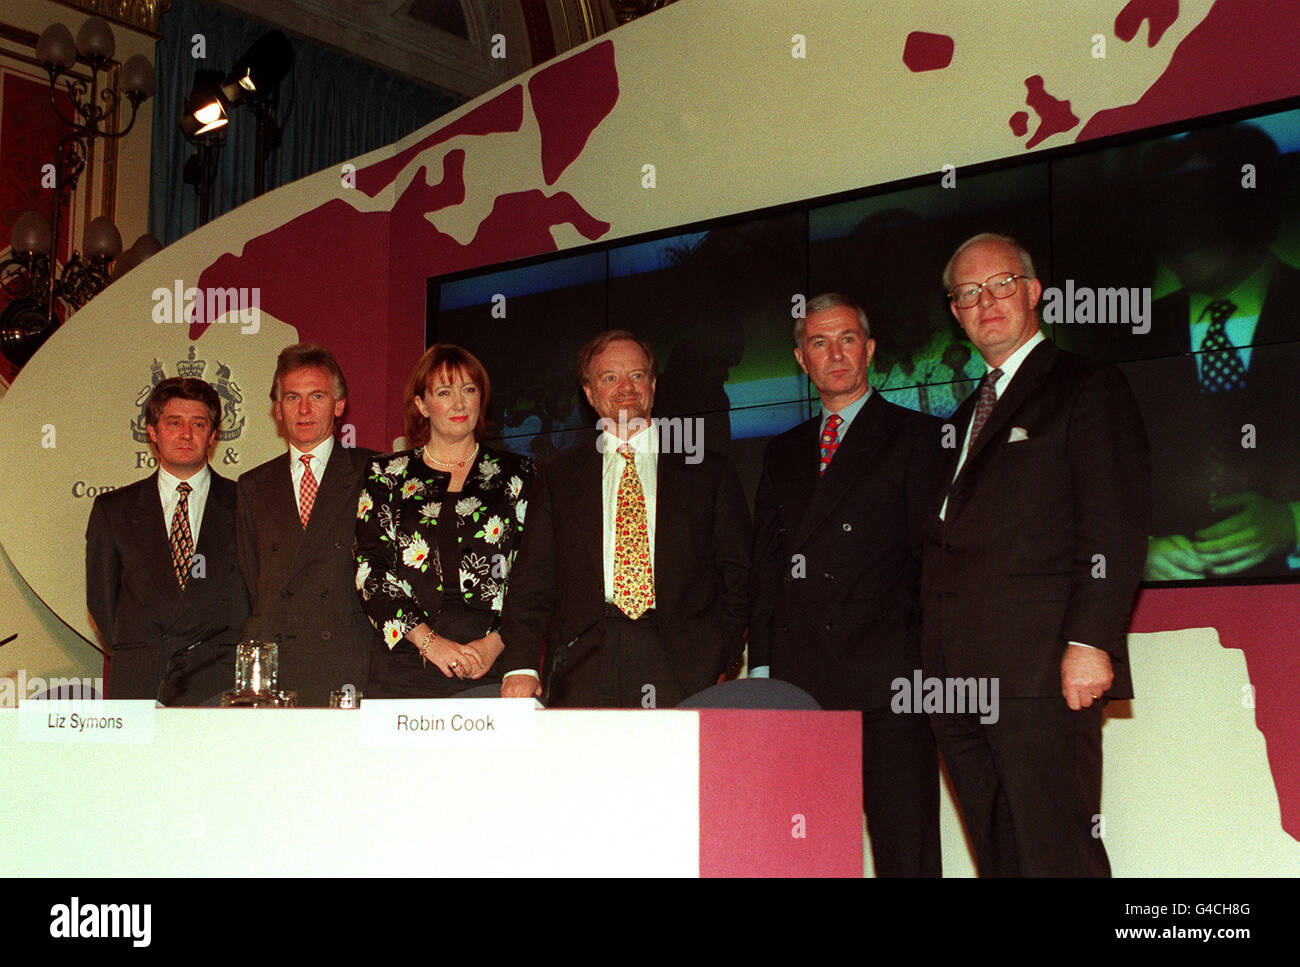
<point>438,528</point>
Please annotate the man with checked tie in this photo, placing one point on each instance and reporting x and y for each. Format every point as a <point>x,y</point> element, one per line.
<point>297,518</point>
<point>634,560</point>
<point>835,590</point>
<point>162,580</point>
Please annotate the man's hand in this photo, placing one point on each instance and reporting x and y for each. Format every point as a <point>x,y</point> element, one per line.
<point>1173,558</point>
<point>1086,673</point>
<point>521,686</point>
<point>487,649</point>
<point>1263,528</point>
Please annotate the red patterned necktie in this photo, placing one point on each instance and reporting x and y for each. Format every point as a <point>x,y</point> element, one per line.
<point>984,404</point>
<point>634,586</point>
<point>830,441</point>
<point>182,540</point>
<point>306,490</point>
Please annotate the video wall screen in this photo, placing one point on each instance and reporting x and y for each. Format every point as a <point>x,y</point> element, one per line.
<point>1175,257</point>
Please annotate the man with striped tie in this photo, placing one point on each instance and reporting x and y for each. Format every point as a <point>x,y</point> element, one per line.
<point>1034,545</point>
<point>835,594</point>
<point>162,579</point>
<point>297,518</point>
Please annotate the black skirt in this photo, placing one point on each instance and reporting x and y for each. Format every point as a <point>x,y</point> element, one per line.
<point>403,673</point>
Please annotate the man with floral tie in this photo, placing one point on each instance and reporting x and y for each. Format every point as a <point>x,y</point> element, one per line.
<point>634,564</point>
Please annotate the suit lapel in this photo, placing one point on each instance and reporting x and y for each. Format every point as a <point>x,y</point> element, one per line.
<point>1031,372</point>
<point>587,500</point>
<point>145,518</point>
<point>283,505</point>
<point>332,499</point>
<point>852,460</point>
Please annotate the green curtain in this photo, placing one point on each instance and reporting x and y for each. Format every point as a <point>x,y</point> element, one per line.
<point>337,108</point>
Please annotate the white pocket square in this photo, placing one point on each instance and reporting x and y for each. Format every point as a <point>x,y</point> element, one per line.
<point>1017,434</point>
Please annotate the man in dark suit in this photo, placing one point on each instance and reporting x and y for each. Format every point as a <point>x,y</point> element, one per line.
<point>635,556</point>
<point>162,579</point>
<point>835,584</point>
<point>1221,408</point>
<point>1034,548</point>
<point>297,519</point>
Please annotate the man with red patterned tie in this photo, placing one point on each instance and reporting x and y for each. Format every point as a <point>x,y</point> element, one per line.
<point>835,590</point>
<point>634,559</point>
<point>162,580</point>
<point>297,517</point>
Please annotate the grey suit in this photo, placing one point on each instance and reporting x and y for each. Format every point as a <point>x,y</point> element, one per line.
<point>303,582</point>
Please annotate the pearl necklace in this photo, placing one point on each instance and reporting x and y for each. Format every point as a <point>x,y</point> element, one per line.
<point>457,464</point>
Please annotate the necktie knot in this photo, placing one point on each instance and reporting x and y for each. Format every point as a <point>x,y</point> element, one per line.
<point>183,489</point>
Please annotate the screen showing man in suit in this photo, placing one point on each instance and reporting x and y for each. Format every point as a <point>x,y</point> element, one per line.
<point>1034,548</point>
<point>836,573</point>
<point>635,560</point>
<point>297,515</point>
<point>162,580</point>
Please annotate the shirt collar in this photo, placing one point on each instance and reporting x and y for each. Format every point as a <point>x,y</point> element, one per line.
<point>320,454</point>
<point>199,483</point>
<point>1012,363</point>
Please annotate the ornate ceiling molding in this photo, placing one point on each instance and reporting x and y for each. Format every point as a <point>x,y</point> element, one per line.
<point>143,15</point>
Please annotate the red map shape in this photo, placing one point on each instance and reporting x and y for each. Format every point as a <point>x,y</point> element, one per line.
<point>1242,53</point>
<point>505,112</point>
<point>927,52</point>
<point>1019,123</point>
<point>570,99</point>
<point>1159,14</point>
<point>356,280</point>
<point>1261,622</point>
<point>1054,116</point>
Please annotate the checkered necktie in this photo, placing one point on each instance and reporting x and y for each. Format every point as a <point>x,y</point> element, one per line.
<point>830,441</point>
<point>984,404</point>
<point>306,490</point>
<point>634,586</point>
<point>182,540</point>
<point>1221,368</point>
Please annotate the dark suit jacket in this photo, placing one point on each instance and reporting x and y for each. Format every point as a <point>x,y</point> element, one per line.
<point>143,615</point>
<point>1044,539</point>
<point>1190,429</point>
<point>303,582</point>
<point>701,565</point>
<point>835,583</point>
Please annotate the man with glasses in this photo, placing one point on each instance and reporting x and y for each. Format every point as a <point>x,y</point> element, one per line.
<point>1033,552</point>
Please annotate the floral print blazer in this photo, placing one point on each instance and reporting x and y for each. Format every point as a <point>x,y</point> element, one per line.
<point>396,545</point>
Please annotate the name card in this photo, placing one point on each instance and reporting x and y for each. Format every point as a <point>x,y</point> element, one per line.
<point>115,721</point>
<point>498,723</point>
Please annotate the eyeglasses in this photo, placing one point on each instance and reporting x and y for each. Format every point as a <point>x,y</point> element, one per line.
<point>966,294</point>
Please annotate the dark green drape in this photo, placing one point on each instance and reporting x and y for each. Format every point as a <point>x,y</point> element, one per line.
<point>337,108</point>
